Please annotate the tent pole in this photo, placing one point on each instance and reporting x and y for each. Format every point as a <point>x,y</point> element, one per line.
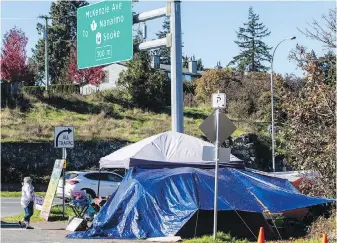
<point>99,181</point>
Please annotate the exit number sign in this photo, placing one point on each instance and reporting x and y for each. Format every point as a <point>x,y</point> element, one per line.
<point>104,33</point>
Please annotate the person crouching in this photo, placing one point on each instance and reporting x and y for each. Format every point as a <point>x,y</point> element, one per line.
<point>27,202</point>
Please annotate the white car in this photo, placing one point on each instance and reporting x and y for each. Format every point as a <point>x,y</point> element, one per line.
<point>88,181</point>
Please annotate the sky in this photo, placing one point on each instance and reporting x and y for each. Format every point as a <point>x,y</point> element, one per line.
<point>209,27</point>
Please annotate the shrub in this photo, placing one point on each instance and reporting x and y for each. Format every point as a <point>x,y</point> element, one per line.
<point>212,81</point>
<point>64,88</point>
<point>189,87</point>
<point>189,100</point>
<point>146,87</point>
<point>34,90</point>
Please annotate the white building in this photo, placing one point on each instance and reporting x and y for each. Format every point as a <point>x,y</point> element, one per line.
<point>112,73</point>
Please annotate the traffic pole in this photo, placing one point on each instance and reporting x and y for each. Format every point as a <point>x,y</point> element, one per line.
<point>177,104</point>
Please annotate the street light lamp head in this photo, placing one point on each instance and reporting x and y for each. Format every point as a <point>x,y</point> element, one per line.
<point>293,38</point>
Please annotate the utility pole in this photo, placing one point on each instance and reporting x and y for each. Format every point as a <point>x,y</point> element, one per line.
<point>46,68</point>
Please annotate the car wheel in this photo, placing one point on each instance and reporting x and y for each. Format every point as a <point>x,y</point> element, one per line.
<point>90,192</point>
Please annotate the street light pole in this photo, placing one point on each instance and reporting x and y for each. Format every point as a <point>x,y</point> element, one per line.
<point>272,102</point>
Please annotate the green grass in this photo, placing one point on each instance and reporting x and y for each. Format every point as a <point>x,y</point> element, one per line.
<point>94,119</point>
<point>221,237</point>
<point>227,238</point>
<point>18,194</point>
<point>55,215</point>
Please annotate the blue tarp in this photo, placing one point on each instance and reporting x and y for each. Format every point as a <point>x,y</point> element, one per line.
<point>158,202</point>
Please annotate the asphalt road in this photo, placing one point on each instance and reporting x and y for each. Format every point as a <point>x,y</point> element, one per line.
<point>11,206</point>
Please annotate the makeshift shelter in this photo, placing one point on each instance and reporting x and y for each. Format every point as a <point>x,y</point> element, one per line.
<point>169,190</point>
<point>168,149</point>
<point>166,202</point>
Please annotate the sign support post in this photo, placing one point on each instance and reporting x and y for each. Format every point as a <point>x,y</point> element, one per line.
<point>64,138</point>
<point>177,103</point>
<point>64,157</point>
<point>218,102</point>
<point>217,128</point>
<point>216,175</point>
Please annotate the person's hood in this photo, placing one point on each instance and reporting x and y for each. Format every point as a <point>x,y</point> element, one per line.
<point>27,180</point>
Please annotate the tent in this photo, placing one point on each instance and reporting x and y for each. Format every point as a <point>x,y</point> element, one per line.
<point>168,149</point>
<point>179,201</point>
<point>169,190</point>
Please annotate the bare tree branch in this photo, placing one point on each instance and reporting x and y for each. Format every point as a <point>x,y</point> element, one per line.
<point>325,34</point>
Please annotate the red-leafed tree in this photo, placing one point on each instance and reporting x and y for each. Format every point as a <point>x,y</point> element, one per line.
<point>93,76</point>
<point>13,56</point>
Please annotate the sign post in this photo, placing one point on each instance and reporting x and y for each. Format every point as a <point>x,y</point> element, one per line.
<point>217,128</point>
<point>104,33</point>
<point>64,138</point>
<point>218,102</point>
<point>64,157</point>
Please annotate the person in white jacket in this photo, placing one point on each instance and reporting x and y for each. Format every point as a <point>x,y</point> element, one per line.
<point>27,202</point>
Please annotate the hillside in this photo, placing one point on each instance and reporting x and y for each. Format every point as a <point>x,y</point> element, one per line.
<point>94,118</point>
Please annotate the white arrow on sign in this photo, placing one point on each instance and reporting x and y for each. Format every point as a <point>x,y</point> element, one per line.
<point>219,101</point>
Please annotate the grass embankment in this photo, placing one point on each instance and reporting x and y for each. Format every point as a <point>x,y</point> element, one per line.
<point>227,238</point>
<point>18,194</point>
<point>56,214</point>
<point>221,237</point>
<point>94,119</point>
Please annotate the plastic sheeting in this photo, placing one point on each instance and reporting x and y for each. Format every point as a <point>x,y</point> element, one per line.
<point>157,203</point>
<point>166,149</point>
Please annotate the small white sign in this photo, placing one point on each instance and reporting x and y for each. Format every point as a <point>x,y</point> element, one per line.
<point>219,101</point>
<point>208,154</point>
<point>64,137</point>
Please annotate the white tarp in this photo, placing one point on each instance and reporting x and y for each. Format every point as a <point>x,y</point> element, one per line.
<point>164,147</point>
<point>291,176</point>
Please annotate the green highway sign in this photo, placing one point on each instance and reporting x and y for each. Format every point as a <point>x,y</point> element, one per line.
<point>104,33</point>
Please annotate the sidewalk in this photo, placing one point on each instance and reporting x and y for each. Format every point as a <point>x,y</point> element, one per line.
<point>47,232</point>
<point>57,225</point>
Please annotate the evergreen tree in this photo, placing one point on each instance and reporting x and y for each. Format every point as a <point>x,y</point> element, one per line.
<point>185,61</point>
<point>253,50</point>
<point>147,88</point>
<point>164,52</point>
<point>61,39</point>
<point>200,66</point>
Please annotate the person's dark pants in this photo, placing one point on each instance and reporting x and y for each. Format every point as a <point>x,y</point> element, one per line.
<point>29,211</point>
